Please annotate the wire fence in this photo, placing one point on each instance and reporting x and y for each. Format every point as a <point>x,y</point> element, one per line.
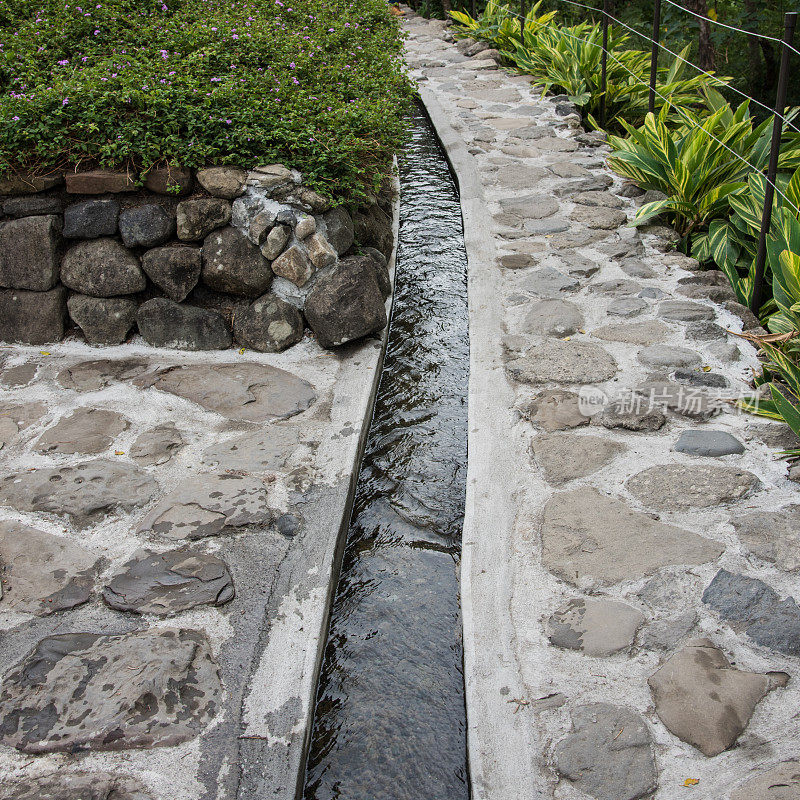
<point>780,119</point>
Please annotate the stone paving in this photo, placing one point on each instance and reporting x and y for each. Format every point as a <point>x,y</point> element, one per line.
<point>629,566</point>
<point>168,533</point>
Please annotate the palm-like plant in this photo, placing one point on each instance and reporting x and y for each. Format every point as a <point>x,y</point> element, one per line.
<point>500,25</point>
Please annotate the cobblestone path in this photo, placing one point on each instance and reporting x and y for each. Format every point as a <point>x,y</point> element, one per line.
<point>630,547</point>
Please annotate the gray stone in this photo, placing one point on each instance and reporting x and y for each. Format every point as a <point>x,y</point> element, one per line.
<point>175,270</point>
<point>608,754</point>
<point>227,182</point>
<point>339,229</point>
<point>590,538</point>
<point>91,219</point>
<point>87,691</point>
<point>555,144</point>
<point>635,269</point>
<point>275,241</point>
<point>772,535</point>
<point>748,318</point>
<point>717,294</point>
<point>346,304</point>
<point>530,206</point>
<point>268,325</point>
<point>157,445</point>
<point>647,332</point>
<point>553,318</point>
<point>21,375</point>
<point>662,356</point>
<point>726,352</point>
<point>233,264</point>
<point>688,401</point>
<point>32,206</point>
<point>28,253</point>
<point>261,225</point>
<point>196,219</point>
<point>210,504</point>
<point>168,583</point>
<point>568,169</point>
<point>32,317</point>
<point>596,626</point>
<point>266,450</point>
<point>164,323</point>
<point>684,311</point>
<point>626,307</point>
<point>599,199</point>
<point>305,227</point>
<point>103,320</point>
<point>545,227</point>
<point>677,487</point>
<point>705,331</point>
<point>85,430</point>
<point>751,604</point>
<point>782,782</point>
<point>42,573</point>
<point>617,286</point>
<point>556,411</point>
<point>667,634</point>
<point>599,218</point>
<point>694,377</point>
<point>703,700</point>
<point>564,457</point>
<point>89,376</point>
<point>517,261</point>
<point>8,431</point>
<point>245,392</point>
<point>272,177</point>
<point>563,362</point>
<point>652,293</point>
<point>23,415</point>
<point>85,491</point>
<point>319,251</point>
<point>100,181</point>
<point>64,785</point>
<point>102,268</point>
<point>146,226</point>
<point>708,443</point>
<point>549,282</point>
<point>295,265</point>
<point>631,414</point>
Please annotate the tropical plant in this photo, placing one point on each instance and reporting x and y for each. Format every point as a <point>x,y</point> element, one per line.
<point>700,165</point>
<point>782,376</point>
<point>569,59</point>
<point>501,26</point>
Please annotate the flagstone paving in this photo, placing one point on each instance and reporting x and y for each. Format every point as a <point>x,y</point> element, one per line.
<point>629,563</point>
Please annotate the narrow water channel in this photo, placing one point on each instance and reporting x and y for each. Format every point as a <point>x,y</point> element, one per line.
<point>390,718</point>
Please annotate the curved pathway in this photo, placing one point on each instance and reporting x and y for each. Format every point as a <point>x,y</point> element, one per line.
<point>630,542</point>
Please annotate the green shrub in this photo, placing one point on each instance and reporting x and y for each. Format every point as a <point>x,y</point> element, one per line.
<point>135,83</point>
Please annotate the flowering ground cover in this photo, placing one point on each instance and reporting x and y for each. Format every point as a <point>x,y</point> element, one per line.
<point>315,84</point>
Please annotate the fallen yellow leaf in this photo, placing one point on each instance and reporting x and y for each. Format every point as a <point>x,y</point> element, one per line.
<point>706,369</point>
<point>44,352</point>
<point>691,782</point>
<point>119,452</point>
<point>241,352</point>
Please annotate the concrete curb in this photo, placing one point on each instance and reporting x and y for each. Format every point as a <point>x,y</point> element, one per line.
<point>491,674</point>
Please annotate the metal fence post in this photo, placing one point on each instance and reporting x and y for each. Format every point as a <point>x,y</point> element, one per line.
<point>604,67</point>
<point>790,22</point>
<point>654,53</point>
<point>524,10</point>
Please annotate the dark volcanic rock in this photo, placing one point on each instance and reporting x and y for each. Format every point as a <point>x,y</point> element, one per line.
<point>176,270</point>
<point>373,228</point>
<point>32,317</point>
<point>197,218</point>
<point>233,264</point>
<point>32,206</point>
<point>268,325</point>
<point>168,583</point>
<point>169,180</point>
<point>86,691</point>
<point>346,304</point>
<point>102,268</point>
<point>28,253</point>
<point>91,219</point>
<point>103,320</point>
<point>164,323</point>
<point>146,226</point>
<point>64,785</point>
<point>339,229</point>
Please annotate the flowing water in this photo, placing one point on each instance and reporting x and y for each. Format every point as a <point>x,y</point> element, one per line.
<point>390,719</point>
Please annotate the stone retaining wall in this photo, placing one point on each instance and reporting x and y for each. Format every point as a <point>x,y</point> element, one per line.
<point>193,261</point>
